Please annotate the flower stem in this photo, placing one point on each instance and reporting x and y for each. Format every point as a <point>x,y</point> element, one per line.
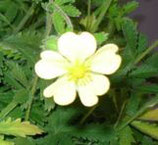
<point>67,19</point>
<point>8,109</point>
<point>120,114</point>
<point>24,20</point>
<point>139,58</point>
<point>88,114</point>
<point>88,13</point>
<point>105,7</point>
<point>33,90</point>
<point>48,22</point>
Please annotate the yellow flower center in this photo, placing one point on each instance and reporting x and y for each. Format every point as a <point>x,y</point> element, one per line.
<point>78,71</point>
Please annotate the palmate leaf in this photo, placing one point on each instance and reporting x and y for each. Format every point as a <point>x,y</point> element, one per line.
<point>18,128</point>
<point>147,128</point>
<point>26,43</point>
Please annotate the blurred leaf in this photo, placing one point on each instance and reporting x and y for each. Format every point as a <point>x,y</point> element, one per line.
<point>59,22</point>
<point>150,115</point>
<point>147,128</point>
<point>18,128</point>
<point>126,136</point>
<point>71,11</point>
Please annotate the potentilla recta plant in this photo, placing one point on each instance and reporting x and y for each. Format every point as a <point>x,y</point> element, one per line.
<point>76,73</point>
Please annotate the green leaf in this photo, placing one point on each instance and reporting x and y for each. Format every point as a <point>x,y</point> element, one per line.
<point>49,104</point>
<point>101,37</point>
<point>130,34</point>
<point>142,43</point>
<point>148,88</point>
<point>17,73</point>
<point>59,22</point>
<point>61,2</point>
<point>147,128</point>
<point>144,71</point>
<point>150,115</point>
<point>147,141</point>
<point>130,7</point>
<point>4,142</point>
<point>133,104</point>
<point>23,141</point>
<point>71,11</point>
<point>126,136</point>
<point>18,128</point>
<point>51,43</point>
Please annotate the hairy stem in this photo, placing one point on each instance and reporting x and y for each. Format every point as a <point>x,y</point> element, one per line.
<point>33,90</point>
<point>24,20</point>
<point>139,58</point>
<point>88,114</point>
<point>88,13</point>
<point>8,109</point>
<point>67,19</point>
<point>48,22</point>
<point>105,7</point>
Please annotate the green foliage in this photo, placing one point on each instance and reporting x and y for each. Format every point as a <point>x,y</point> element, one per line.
<point>147,128</point>
<point>18,128</point>
<point>29,27</point>
<point>126,137</point>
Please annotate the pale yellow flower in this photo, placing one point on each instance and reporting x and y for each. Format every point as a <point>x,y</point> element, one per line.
<point>78,68</point>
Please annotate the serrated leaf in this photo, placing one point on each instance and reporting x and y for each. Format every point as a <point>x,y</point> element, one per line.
<point>51,43</point>
<point>101,37</point>
<point>133,104</point>
<point>148,88</point>
<point>150,115</point>
<point>49,104</point>
<point>126,136</point>
<point>130,34</point>
<point>147,128</point>
<point>23,141</point>
<point>17,73</point>
<point>18,128</point>
<point>61,2</point>
<point>71,11</point>
<point>142,43</point>
<point>58,22</point>
<point>144,71</point>
<point>130,7</point>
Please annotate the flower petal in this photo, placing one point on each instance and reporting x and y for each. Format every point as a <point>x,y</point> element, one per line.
<point>87,96</point>
<point>106,61</point>
<point>52,55</point>
<point>64,91</point>
<point>100,84</point>
<point>51,65</point>
<point>75,46</point>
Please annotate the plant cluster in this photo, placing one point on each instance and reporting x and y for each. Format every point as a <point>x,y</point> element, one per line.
<point>126,115</point>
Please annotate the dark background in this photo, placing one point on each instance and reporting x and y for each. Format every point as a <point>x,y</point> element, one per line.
<point>147,17</point>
